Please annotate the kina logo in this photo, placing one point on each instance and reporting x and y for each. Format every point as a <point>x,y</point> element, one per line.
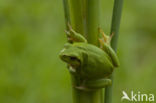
<point>137,97</point>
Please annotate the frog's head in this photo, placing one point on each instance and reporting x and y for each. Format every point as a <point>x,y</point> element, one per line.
<point>71,55</point>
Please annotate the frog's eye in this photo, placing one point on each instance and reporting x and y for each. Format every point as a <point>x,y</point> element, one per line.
<point>73,58</point>
<point>74,62</point>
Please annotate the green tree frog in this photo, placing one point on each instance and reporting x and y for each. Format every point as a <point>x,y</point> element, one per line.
<point>89,64</point>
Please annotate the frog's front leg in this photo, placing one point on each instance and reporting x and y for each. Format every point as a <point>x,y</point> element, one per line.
<point>105,45</point>
<point>95,84</point>
<point>73,36</point>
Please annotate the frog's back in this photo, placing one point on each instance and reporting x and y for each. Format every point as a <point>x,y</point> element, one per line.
<point>89,47</point>
<point>96,59</point>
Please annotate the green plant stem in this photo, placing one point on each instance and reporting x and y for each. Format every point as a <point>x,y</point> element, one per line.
<point>117,10</point>
<point>84,19</point>
<point>92,21</point>
<point>81,96</point>
<point>76,9</point>
<point>66,13</point>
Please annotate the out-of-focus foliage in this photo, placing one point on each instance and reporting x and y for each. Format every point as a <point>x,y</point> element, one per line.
<point>32,34</point>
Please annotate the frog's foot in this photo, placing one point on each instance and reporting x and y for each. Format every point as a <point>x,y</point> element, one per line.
<point>97,84</point>
<point>105,38</point>
<point>101,42</point>
<point>73,36</point>
<point>69,36</point>
<point>71,32</point>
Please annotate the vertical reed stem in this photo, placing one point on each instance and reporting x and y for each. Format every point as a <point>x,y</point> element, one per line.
<point>117,10</point>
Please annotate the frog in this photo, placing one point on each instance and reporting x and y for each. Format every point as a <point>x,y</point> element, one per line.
<point>89,64</point>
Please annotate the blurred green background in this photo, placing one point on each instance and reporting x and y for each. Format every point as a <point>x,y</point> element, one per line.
<point>32,34</point>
